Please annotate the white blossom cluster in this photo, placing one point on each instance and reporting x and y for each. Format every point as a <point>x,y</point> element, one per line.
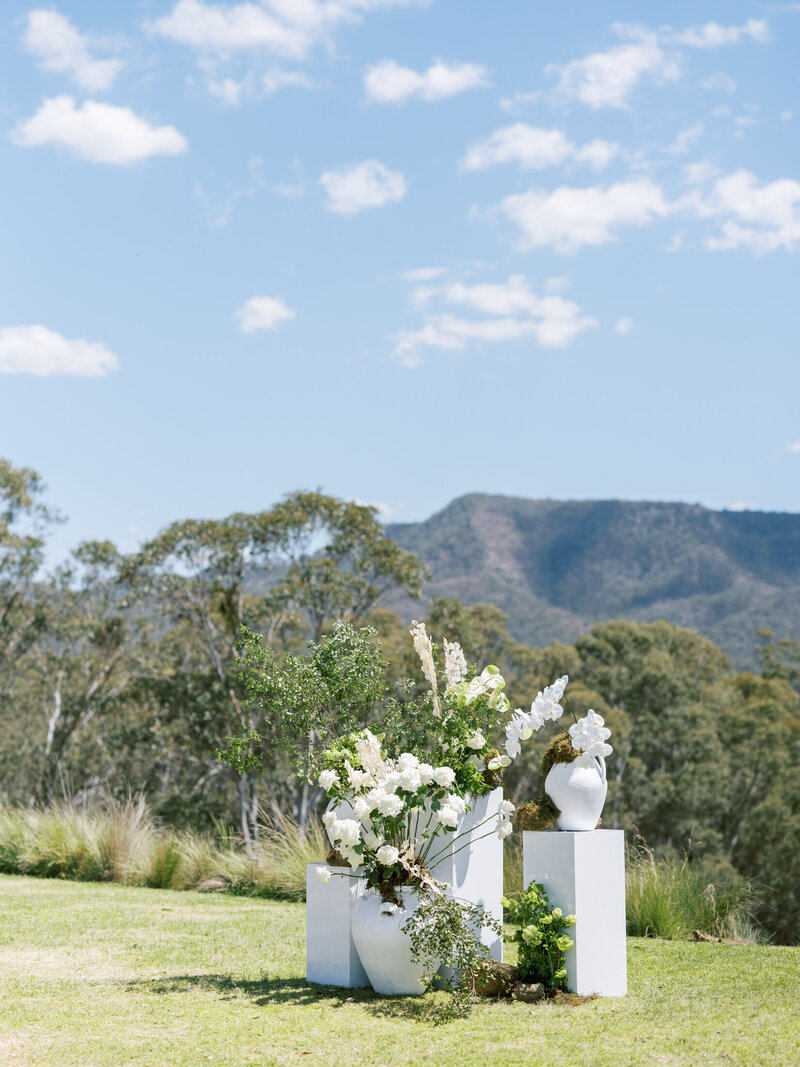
<point>423,646</point>
<point>383,789</point>
<point>455,663</point>
<point>589,736</point>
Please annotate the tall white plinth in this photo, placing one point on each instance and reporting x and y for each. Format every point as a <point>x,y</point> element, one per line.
<point>584,875</point>
<point>331,956</point>
<point>472,862</point>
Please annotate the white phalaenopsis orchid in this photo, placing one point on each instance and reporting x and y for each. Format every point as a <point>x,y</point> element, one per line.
<point>547,703</point>
<point>488,681</point>
<point>589,736</point>
<point>505,812</point>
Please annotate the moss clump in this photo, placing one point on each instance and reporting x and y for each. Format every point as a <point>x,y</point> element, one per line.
<point>540,814</point>
<point>559,750</point>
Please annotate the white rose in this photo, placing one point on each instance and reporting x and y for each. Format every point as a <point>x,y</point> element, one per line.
<point>361,807</point>
<point>410,780</point>
<point>504,829</point>
<point>348,831</point>
<point>477,741</point>
<point>447,816</point>
<point>387,855</point>
<point>389,804</point>
<point>444,776</point>
<point>328,779</point>
<point>506,807</point>
<point>328,819</point>
<point>425,773</point>
<point>323,875</point>
<point>406,761</point>
<point>455,802</point>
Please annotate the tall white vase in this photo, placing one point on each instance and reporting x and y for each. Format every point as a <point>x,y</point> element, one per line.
<point>578,792</point>
<point>384,950</point>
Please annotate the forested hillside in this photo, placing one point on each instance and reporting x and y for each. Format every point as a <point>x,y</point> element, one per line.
<point>556,567</point>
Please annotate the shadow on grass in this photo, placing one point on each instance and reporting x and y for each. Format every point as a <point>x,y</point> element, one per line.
<point>429,1009</point>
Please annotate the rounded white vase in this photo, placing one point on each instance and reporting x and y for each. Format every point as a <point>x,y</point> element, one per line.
<point>384,949</point>
<point>579,793</point>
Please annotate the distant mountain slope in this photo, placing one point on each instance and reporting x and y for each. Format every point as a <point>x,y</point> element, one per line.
<point>556,567</point>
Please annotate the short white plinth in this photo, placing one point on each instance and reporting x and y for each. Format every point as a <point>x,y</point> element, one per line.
<point>473,864</point>
<point>331,956</point>
<point>584,875</point>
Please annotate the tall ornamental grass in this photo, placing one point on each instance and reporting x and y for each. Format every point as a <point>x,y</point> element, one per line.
<point>670,898</point>
<point>120,842</point>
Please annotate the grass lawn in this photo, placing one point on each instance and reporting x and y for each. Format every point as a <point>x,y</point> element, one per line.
<point>103,974</point>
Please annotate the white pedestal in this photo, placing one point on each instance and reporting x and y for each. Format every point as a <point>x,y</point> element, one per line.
<point>331,956</point>
<point>584,875</point>
<point>475,872</point>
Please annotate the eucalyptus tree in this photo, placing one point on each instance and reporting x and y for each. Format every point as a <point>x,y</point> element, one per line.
<point>79,669</point>
<point>312,558</point>
<point>24,521</point>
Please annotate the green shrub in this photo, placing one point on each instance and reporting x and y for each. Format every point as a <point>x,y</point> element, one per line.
<point>668,898</point>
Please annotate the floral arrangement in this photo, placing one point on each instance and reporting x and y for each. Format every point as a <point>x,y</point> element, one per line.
<point>400,785</point>
<point>539,936</point>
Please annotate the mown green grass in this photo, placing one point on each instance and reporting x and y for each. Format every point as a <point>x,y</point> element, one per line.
<point>103,974</point>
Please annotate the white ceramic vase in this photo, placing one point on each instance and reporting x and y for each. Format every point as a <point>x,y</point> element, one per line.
<point>384,950</point>
<point>578,792</point>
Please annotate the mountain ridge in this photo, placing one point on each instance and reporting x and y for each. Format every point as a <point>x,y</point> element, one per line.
<point>556,567</point>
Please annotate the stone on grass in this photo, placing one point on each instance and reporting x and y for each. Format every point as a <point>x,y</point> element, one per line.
<point>528,992</point>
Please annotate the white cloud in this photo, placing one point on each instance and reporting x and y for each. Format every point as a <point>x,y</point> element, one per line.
<point>363,185</point>
<point>274,80</point>
<point>623,326</point>
<point>100,133</point>
<point>786,116</point>
<point>388,83</point>
<point>515,311</point>
<point>424,274</point>
<point>534,148</point>
<point>511,103</point>
<point>285,27</point>
<point>713,35</point>
<point>263,313</point>
<point>606,79</point>
<point>233,92</point>
<point>570,218</point>
<point>762,218</point>
<point>62,49</point>
<point>795,446</point>
<point>699,173</point>
<point>42,352</point>
<point>719,83</point>
<point>686,139</point>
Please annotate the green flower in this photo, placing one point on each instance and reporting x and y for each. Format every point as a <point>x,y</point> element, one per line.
<point>571,920</point>
<point>532,935</point>
<point>560,974</point>
<point>557,913</point>
<point>564,943</point>
<point>546,920</point>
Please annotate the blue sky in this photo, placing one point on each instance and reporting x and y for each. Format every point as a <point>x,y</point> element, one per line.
<point>399,251</point>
